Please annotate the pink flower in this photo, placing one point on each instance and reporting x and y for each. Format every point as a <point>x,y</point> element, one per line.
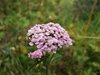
<point>35,54</point>
<point>47,38</point>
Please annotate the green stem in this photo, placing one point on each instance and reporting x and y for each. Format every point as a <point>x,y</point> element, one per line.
<point>91,14</point>
<point>47,69</point>
<point>48,63</point>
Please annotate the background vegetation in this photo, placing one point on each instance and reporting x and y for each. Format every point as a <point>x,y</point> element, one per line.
<point>81,18</point>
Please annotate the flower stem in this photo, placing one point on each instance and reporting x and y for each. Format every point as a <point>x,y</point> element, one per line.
<point>48,63</point>
<point>47,70</point>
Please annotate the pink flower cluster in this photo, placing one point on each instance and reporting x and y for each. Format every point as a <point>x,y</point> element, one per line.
<point>47,38</point>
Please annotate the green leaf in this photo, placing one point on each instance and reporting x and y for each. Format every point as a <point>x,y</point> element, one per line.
<point>1,34</point>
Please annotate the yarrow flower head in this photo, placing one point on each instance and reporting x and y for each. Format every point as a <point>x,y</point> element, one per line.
<point>47,38</point>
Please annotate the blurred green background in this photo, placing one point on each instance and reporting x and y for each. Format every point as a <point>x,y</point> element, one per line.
<point>81,18</point>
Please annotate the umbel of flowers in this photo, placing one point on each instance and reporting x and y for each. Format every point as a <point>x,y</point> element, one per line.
<point>47,38</point>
